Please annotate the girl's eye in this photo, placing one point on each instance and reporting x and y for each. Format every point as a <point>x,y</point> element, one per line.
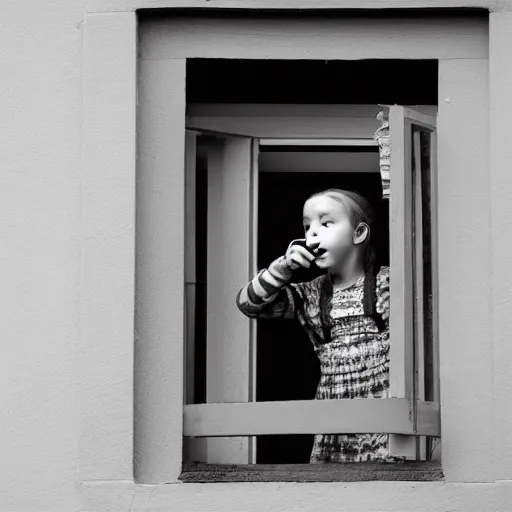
<point>306,228</point>
<point>327,223</point>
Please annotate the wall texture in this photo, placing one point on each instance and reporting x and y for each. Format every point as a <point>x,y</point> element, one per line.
<point>40,55</point>
<point>42,234</point>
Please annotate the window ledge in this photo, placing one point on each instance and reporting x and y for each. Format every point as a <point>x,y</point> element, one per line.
<point>348,472</point>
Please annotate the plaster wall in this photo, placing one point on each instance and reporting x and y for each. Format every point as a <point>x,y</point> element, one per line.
<point>61,451</point>
<point>40,232</point>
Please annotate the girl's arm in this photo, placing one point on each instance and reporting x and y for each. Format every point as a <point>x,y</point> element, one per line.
<point>269,295</point>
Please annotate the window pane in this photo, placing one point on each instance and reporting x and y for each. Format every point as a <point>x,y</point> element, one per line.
<point>423,275</point>
<point>425,145</point>
<point>196,197</point>
<point>201,282</point>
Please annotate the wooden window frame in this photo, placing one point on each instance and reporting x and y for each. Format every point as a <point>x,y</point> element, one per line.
<point>406,415</point>
<point>153,429</point>
<point>122,152</point>
<point>355,472</point>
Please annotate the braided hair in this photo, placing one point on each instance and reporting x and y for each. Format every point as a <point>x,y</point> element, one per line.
<point>360,211</point>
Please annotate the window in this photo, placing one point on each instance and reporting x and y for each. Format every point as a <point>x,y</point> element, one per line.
<point>231,166</point>
<point>459,77</point>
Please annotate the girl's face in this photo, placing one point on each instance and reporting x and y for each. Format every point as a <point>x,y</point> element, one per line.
<point>328,226</point>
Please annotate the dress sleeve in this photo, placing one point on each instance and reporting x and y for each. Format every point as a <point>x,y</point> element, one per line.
<point>269,295</point>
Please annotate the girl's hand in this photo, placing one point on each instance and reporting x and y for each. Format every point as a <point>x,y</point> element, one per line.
<point>298,255</point>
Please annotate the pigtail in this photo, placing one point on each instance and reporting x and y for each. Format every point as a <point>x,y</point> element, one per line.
<point>326,292</point>
<point>370,282</point>
<point>370,287</point>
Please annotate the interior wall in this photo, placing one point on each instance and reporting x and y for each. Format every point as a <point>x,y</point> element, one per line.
<point>362,161</point>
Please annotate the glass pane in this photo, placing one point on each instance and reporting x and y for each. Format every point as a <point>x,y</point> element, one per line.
<point>423,284</point>
<point>196,286</point>
<point>425,145</point>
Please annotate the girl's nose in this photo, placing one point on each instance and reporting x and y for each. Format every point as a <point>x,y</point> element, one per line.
<point>312,233</point>
<point>312,241</point>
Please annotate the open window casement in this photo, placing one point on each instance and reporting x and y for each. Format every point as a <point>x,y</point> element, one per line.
<point>230,247</point>
<point>413,273</point>
<point>223,430</point>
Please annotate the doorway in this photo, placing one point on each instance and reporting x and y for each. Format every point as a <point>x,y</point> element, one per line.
<point>287,367</point>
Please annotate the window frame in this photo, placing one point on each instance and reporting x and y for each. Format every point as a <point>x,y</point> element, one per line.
<point>404,415</point>
<point>148,439</point>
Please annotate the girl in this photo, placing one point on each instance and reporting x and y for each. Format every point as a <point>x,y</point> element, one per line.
<point>344,312</point>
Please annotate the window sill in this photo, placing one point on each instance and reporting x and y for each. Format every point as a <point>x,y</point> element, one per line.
<point>352,472</point>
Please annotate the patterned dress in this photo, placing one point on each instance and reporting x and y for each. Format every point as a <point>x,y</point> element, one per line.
<point>354,364</point>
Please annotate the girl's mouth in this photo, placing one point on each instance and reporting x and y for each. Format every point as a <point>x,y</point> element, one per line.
<point>320,253</point>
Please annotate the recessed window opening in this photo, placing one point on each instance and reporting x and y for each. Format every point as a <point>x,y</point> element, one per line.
<point>290,169</point>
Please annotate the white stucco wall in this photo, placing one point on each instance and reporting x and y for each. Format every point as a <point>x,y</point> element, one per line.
<point>40,168</point>
<point>50,461</point>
